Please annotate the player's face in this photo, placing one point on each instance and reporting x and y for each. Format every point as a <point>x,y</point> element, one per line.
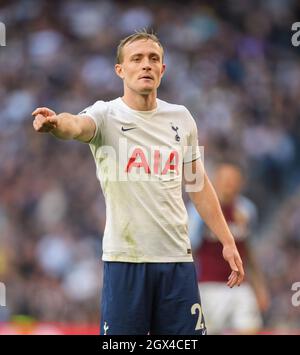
<point>142,67</point>
<point>228,183</point>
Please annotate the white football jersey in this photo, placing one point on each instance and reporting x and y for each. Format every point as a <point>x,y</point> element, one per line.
<point>139,157</point>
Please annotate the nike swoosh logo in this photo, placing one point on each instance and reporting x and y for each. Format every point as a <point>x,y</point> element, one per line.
<point>128,129</point>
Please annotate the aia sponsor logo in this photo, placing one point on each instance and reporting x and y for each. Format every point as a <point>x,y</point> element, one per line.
<point>138,163</point>
<point>138,159</point>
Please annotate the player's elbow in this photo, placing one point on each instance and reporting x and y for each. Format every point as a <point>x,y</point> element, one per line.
<point>85,129</point>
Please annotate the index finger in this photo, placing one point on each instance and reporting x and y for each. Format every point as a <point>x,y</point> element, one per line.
<point>233,264</point>
<point>241,272</point>
<point>42,110</point>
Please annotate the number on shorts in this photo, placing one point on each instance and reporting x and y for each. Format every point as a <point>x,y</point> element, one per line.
<point>196,307</point>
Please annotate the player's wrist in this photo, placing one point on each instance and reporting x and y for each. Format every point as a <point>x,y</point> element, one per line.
<point>229,244</point>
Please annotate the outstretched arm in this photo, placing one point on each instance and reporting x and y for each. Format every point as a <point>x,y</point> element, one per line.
<point>207,204</point>
<point>64,125</point>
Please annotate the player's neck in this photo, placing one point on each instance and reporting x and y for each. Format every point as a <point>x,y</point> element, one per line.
<point>140,102</point>
<point>225,201</point>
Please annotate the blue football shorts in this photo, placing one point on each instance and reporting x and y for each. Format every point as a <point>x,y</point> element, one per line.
<point>151,298</point>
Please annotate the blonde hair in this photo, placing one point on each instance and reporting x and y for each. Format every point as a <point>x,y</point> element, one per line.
<point>138,35</point>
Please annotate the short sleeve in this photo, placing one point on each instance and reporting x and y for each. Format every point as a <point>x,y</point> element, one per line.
<point>248,208</point>
<point>195,226</point>
<point>192,150</point>
<point>98,113</point>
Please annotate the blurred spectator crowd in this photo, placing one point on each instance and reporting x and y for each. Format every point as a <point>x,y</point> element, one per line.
<point>231,63</point>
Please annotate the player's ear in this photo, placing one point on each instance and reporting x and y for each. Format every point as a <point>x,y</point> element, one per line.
<point>119,70</point>
<point>163,69</point>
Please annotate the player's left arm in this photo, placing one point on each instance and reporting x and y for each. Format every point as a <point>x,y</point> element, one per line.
<point>207,204</point>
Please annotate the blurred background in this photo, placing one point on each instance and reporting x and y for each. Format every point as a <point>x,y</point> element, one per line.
<point>230,63</point>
